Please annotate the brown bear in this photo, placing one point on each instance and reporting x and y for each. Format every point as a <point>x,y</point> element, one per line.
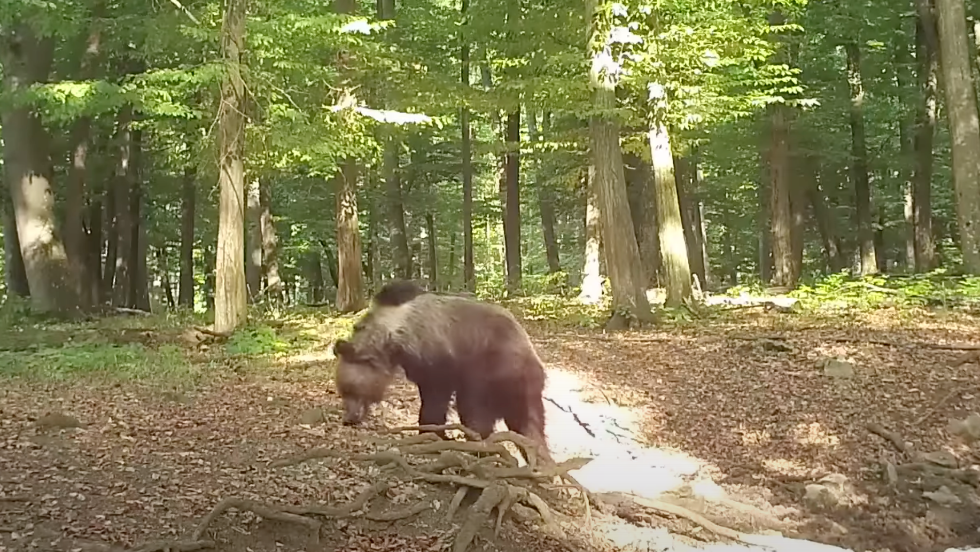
<point>445,344</point>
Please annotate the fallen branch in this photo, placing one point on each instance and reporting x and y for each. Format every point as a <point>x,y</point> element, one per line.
<point>434,429</point>
<point>400,514</point>
<point>341,511</point>
<point>267,512</point>
<point>693,517</point>
<point>939,404</point>
<point>891,437</point>
<point>134,312</point>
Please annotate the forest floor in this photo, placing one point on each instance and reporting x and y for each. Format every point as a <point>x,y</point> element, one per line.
<point>765,423</point>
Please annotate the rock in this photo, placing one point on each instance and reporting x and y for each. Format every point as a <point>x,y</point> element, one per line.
<point>312,417</point>
<point>967,429</point>
<point>943,497</point>
<point>837,368</point>
<point>57,420</point>
<point>941,458</point>
<point>819,496</point>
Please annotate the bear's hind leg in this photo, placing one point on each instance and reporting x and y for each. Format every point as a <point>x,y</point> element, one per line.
<point>474,413</point>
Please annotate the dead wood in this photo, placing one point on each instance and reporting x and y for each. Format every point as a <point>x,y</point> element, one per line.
<point>892,438</point>
<point>697,519</point>
<point>938,405</point>
<point>266,511</point>
<point>342,511</point>
<point>469,433</point>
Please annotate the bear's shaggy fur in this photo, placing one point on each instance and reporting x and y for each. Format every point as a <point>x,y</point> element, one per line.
<point>445,344</point>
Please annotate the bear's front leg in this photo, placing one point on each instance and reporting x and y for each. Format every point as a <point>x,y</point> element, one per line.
<point>435,406</point>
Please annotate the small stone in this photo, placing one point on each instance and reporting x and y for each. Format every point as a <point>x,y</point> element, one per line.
<point>312,417</point>
<point>837,368</point>
<point>967,429</point>
<point>943,497</point>
<point>941,458</point>
<point>820,496</point>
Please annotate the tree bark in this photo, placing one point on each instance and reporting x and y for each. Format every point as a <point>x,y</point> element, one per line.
<point>13,264</point>
<point>469,272</point>
<point>210,262</point>
<point>111,232</point>
<point>139,292</point>
<point>787,271</point>
<point>430,240</point>
<point>512,203</point>
<point>253,260</point>
<point>163,265</point>
<point>764,218</point>
<point>230,300</point>
<point>315,277</point>
<point>350,278</point>
<point>123,187</point>
<point>859,162</point>
<point>396,207</point>
<point>546,205</point>
<point>27,60</point>
<point>673,246</point>
<point>926,54</point>
<point>626,277</point>
<point>699,223</point>
<point>94,238</point>
<point>270,245</point>
<point>187,214</point>
<point>690,217</point>
<point>591,288</point>
<point>903,80</point>
<point>964,126</point>
<point>643,209</point>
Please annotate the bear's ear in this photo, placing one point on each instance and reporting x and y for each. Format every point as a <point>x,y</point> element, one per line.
<point>343,348</point>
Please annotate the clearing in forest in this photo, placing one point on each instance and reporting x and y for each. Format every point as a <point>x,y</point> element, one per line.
<point>834,431</point>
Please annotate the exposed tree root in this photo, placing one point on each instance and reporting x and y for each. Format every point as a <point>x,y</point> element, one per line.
<point>171,546</point>
<point>267,512</point>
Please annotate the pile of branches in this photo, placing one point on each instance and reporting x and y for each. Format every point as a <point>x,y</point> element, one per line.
<point>485,465</point>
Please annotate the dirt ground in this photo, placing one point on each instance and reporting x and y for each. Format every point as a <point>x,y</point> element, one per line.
<point>749,406</point>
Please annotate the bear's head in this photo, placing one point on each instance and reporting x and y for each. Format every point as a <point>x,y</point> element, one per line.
<point>362,379</point>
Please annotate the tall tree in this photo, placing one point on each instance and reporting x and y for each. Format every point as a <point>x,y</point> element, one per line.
<point>546,205</point>
<point>670,225</point>
<point>188,197</point>
<point>591,287</point>
<point>626,276</point>
<point>780,204</point>
<point>253,223</point>
<point>859,161</point>
<point>964,125</point>
<point>13,264</point>
<point>123,184</point>
<point>926,54</point>
<point>469,273</point>
<point>512,201</point>
<point>643,209</point>
<point>230,300</point>
<point>270,246</point>
<point>27,59</point>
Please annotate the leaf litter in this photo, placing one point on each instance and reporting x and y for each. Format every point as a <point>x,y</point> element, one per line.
<point>762,422</point>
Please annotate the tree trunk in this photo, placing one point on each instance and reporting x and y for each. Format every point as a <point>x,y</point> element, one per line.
<point>27,167</point>
<point>826,225</point>
<point>253,258</point>
<point>314,277</point>
<point>123,185</point>
<point>111,234</point>
<point>13,263</point>
<point>430,238</point>
<point>903,81</point>
<point>699,222</point>
<point>591,292</point>
<point>94,236</point>
<point>139,292</point>
<point>764,220</point>
<point>626,277</point>
<point>964,126</point>
<point>350,279</point>
<point>925,128</point>
<point>163,263</point>
<point>643,210</point>
<point>469,273</point>
<point>210,261</point>
<point>230,300</point>
<point>187,214</point>
<point>787,271</point>
<point>673,246</point>
<point>690,217</point>
<point>396,208</point>
<point>451,265</point>
<point>859,161</point>
<point>270,245</point>
<point>546,204</point>
<point>512,203</point>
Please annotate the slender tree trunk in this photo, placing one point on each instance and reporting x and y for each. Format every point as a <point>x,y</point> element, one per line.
<point>230,300</point>
<point>13,264</point>
<point>350,279</point>
<point>673,246</point>
<point>163,265</point>
<point>964,126</point>
<point>546,204</point>
<point>903,79</point>
<point>469,272</point>
<point>764,219</point>
<point>451,266</point>
<point>591,292</point>
<point>187,214</point>
<point>859,161</point>
<point>787,273</point>
<point>26,60</point>
<point>699,222</point>
<point>139,292</point>
<point>253,258</point>
<point>826,227</point>
<point>396,207</point>
<point>512,203</point>
<point>94,236</point>
<point>315,277</point>
<point>123,185</point>
<point>111,236</point>
<point>430,238</point>
<point>210,262</point>
<point>270,245</point>
<point>925,127</point>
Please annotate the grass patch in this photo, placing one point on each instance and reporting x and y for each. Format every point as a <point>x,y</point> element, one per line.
<point>131,361</point>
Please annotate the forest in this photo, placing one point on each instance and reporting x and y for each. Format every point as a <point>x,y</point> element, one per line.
<point>742,235</point>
